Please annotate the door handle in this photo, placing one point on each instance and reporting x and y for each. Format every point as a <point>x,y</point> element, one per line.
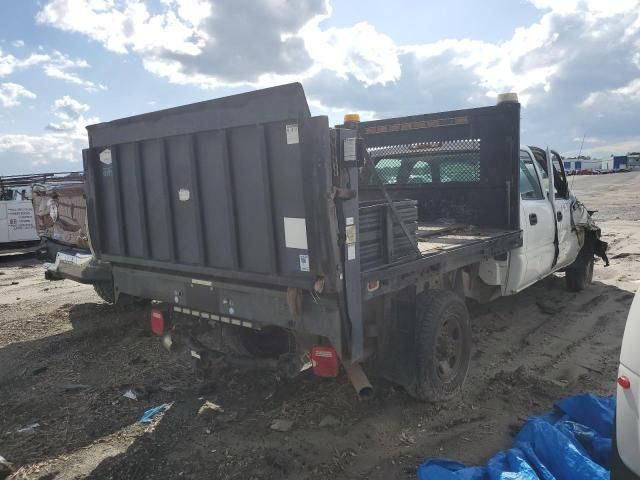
<point>533,219</point>
<point>559,215</point>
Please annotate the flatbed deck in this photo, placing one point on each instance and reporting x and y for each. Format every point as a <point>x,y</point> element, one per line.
<point>443,248</point>
<point>433,238</point>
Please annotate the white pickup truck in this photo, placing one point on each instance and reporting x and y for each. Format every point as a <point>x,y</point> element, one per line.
<point>256,225</point>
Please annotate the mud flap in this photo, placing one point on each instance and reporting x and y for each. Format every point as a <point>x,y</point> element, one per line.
<point>397,348</point>
<point>596,246</point>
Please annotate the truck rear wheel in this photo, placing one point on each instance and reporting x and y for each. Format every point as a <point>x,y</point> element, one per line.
<point>444,345</point>
<point>579,275</point>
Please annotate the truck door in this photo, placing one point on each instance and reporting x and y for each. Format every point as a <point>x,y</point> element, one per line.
<point>536,223</point>
<point>567,239</point>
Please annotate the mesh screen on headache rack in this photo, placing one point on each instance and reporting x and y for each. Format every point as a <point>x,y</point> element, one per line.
<point>423,163</point>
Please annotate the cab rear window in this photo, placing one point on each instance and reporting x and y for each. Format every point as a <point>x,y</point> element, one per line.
<point>423,169</point>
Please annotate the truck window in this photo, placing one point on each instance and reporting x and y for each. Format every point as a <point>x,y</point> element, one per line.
<point>460,169</point>
<point>388,169</point>
<point>559,176</point>
<point>530,188</point>
<point>419,169</point>
<point>420,173</point>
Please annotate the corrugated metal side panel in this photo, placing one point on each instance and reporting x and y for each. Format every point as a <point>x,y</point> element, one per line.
<point>215,200</point>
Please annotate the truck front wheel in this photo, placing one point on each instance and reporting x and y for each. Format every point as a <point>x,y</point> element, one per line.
<point>444,345</point>
<point>579,275</point>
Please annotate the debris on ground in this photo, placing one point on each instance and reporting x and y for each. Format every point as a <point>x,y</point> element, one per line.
<point>208,408</point>
<point>573,441</point>
<point>281,425</point>
<point>130,394</point>
<point>29,428</point>
<point>150,414</point>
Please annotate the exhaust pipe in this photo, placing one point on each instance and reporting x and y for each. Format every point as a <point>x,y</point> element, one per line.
<point>359,380</point>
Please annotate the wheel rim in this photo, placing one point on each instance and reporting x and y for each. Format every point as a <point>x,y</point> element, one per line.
<point>449,347</point>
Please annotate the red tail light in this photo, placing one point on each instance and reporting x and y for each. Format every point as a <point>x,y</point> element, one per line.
<point>324,360</point>
<point>624,382</point>
<point>157,321</point>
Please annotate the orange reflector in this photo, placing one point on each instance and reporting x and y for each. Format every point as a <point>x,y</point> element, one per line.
<point>351,117</point>
<point>624,382</point>
<point>157,321</point>
<point>324,360</point>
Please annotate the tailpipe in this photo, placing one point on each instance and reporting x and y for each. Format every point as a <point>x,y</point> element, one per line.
<point>359,380</point>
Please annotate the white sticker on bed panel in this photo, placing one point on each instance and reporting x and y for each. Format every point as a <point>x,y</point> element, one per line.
<point>105,156</point>
<point>184,194</point>
<point>351,252</point>
<point>292,133</point>
<point>295,233</point>
<point>304,263</point>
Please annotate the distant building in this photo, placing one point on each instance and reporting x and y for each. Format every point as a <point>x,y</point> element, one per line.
<point>581,163</point>
<point>633,161</point>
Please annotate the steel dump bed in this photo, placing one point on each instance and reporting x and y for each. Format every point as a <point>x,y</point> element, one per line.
<point>219,188</point>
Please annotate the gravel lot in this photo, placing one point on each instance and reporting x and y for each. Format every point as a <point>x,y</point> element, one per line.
<point>66,359</point>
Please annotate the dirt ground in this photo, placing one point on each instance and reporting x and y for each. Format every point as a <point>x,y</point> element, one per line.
<point>66,359</point>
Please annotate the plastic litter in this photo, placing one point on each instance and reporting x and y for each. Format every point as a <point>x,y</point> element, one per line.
<point>572,442</point>
<point>209,408</point>
<point>130,394</point>
<point>149,415</point>
<point>29,428</point>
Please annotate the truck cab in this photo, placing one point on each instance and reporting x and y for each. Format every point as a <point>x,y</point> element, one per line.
<point>550,238</point>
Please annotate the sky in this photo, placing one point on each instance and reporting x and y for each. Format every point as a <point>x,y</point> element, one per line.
<point>66,64</point>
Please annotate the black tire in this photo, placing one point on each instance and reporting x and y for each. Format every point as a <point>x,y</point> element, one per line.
<point>443,349</point>
<point>580,274</point>
<point>105,292</point>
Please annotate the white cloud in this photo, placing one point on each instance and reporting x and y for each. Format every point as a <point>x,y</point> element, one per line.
<point>57,72</point>
<point>11,93</point>
<point>54,64</point>
<point>64,139</point>
<point>240,42</point>
<point>369,56</point>
<point>18,43</point>
<point>129,25</point>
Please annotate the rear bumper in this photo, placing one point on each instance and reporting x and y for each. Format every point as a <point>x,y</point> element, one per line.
<point>628,421</point>
<point>79,267</point>
<point>49,249</point>
<point>234,304</point>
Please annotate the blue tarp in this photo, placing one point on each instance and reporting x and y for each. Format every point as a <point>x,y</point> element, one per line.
<point>571,443</point>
